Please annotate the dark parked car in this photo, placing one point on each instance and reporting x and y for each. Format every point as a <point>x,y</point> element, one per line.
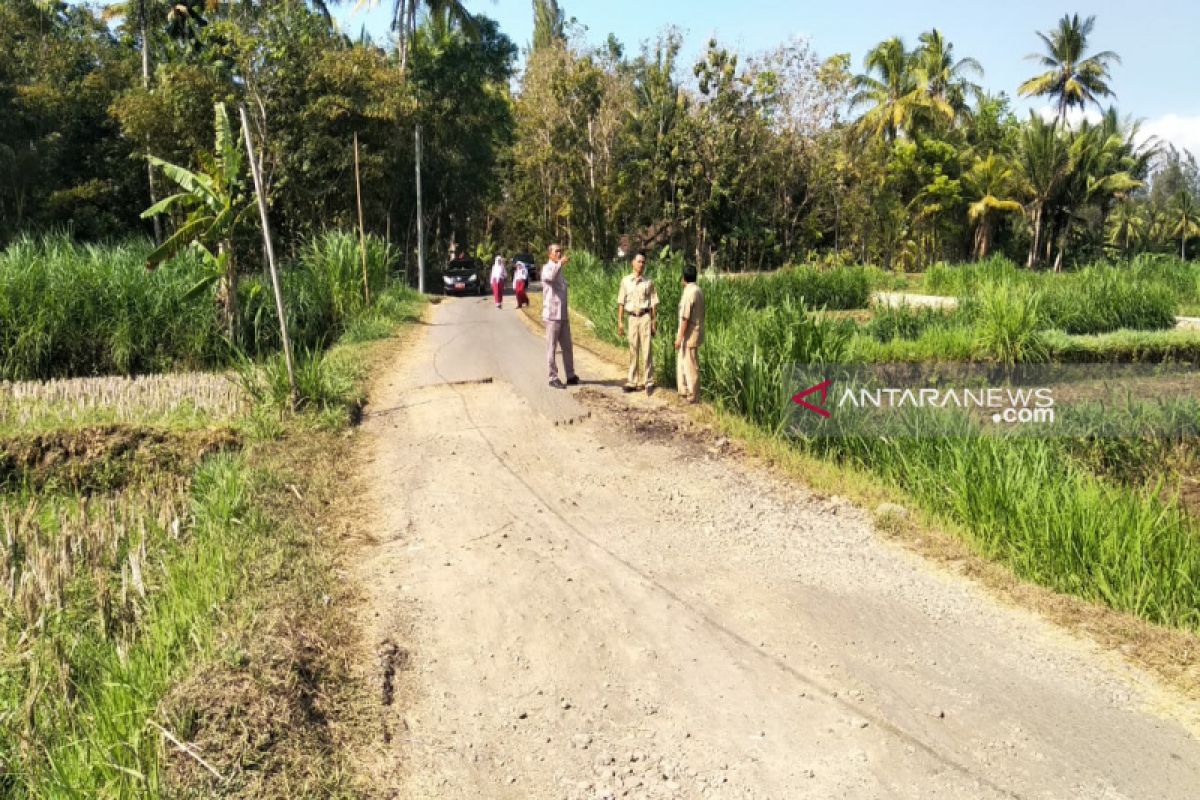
<point>463,276</point>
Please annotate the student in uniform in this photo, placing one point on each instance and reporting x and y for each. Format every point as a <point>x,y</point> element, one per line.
<point>499,276</point>
<point>520,281</point>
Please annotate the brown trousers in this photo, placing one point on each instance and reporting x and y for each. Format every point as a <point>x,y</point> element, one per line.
<point>687,373</point>
<point>641,351</point>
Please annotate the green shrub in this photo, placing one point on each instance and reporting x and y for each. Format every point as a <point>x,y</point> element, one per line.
<point>965,279</point>
<point>748,365</point>
<point>1145,295</point>
<point>324,289</point>
<point>1102,299</point>
<point>909,322</point>
<point>1008,324</point>
<point>1028,506</point>
<point>321,383</point>
<point>837,289</point>
<point>1182,277</point>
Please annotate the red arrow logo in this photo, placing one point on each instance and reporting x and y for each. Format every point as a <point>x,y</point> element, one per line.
<point>823,388</point>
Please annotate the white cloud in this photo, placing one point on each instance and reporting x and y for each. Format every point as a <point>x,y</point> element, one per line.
<point>1178,129</point>
<point>1074,115</point>
<point>1181,130</point>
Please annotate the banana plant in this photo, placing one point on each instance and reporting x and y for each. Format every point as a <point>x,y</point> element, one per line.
<point>214,201</point>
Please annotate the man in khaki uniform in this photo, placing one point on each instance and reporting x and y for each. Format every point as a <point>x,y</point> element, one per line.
<point>638,299</point>
<point>689,338</point>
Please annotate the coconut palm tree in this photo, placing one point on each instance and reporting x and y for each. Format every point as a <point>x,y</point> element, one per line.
<point>1121,163</point>
<point>991,183</point>
<point>404,19</point>
<point>893,95</point>
<point>1073,79</point>
<point>943,82</point>
<point>1098,173</point>
<point>1127,226</point>
<point>1185,213</point>
<point>1044,165</point>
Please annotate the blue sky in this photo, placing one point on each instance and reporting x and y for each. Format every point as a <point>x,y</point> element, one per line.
<point>1157,80</point>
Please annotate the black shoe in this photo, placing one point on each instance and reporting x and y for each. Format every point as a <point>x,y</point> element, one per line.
<point>573,380</point>
<point>649,388</point>
<point>628,388</point>
<point>555,383</point>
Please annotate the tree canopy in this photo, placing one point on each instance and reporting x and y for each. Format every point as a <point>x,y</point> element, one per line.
<point>739,160</point>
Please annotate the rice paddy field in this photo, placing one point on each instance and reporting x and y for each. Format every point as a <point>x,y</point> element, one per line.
<point>146,537</point>
<point>1112,518</point>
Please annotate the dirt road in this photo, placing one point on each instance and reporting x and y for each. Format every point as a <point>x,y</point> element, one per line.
<point>572,594</point>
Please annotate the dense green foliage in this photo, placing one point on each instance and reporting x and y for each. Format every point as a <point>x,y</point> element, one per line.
<point>74,141</point>
<point>756,165</point>
<point>742,161</point>
<point>1144,295</point>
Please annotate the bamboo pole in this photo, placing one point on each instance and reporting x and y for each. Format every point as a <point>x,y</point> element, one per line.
<point>362,230</point>
<point>266,226</point>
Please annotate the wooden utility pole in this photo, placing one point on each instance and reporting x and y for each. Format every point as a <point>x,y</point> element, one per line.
<point>420,222</point>
<point>362,230</point>
<point>266,226</point>
<point>144,29</point>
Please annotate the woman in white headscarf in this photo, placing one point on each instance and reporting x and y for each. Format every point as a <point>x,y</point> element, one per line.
<point>499,276</point>
<point>520,281</point>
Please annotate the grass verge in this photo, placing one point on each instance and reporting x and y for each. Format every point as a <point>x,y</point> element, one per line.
<point>180,629</point>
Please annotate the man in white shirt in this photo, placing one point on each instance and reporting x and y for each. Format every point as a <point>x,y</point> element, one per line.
<point>557,318</point>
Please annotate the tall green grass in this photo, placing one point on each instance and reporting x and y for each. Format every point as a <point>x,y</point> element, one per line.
<point>78,310</point>
<point>1053,522</point>
<point>837,289</point>
<point>1104,299</point>
<point>1142,295</point>
<point>909,322</point>
<point>68,309</point>
<point>1008,324</point>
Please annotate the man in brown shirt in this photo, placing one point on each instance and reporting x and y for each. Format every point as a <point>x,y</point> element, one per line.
<point>638,299</point>
<point>689,337</point>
